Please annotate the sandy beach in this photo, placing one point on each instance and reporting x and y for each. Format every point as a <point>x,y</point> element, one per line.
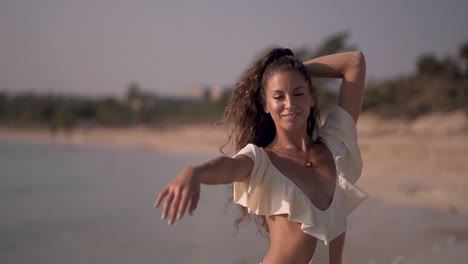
<point>414,171</point>
<point>420,163</point>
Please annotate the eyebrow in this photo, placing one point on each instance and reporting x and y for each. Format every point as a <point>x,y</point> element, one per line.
<point>281,91</point>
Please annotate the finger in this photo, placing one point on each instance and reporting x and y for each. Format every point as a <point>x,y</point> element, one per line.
<point>160,198</point>
<point>174,207</point>
<point>183,204</point>
<point>194,203</point>
<point>167,205</point>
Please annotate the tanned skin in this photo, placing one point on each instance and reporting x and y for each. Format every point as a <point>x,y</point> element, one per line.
<point>288,101</point>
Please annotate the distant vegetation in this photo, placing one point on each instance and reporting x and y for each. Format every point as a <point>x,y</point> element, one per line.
<point>61,112</point>
<point>440,85</point>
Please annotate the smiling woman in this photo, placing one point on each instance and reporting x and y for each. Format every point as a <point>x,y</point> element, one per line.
<point>293,175</point>
<point>288,100</point>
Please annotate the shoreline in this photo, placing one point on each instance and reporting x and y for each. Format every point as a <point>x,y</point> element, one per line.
<point>420,163</point>
<point>205,137</point>
<point>194,138</point>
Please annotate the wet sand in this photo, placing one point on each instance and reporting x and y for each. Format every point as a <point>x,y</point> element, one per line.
<point>383,233</point>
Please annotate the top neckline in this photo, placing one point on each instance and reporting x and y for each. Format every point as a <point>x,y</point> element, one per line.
<point>301,191</point>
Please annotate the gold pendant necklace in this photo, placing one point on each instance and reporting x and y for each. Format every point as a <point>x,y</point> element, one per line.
<point>307,162</point>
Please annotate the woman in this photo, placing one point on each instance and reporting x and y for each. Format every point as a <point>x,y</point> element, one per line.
<point>292,174</point>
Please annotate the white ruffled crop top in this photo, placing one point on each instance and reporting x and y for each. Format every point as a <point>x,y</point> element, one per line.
<point>268,192</point>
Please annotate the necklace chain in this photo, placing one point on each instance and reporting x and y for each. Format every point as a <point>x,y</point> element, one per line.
<point>307,162</point>
<point>299,157</point>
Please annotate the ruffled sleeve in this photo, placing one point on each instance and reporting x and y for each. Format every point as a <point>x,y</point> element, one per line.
<point>340,135</point>
<point>349,197</point>
<point>245,191</point>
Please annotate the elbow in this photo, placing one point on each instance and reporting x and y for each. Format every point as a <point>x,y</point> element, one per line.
<point>356,65</point>
<point>358,60</point>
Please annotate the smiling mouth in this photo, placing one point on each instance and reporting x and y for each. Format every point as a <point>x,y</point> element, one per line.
<point>292,115</point>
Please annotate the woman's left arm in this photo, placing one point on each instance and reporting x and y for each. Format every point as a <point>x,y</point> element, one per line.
<point>349,66</point>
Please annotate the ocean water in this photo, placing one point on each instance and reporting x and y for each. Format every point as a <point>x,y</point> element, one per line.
<point>64,203</point>
<point>79,204</point>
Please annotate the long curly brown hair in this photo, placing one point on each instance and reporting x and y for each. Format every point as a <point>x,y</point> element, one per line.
<point>245,111</point>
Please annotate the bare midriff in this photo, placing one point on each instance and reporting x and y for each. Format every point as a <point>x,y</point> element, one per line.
<point>288,243</point>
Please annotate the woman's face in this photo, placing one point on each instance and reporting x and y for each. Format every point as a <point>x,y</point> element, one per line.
<point>288,100</point>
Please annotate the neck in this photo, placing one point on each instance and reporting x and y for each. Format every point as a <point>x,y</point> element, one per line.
<point>298,141</point>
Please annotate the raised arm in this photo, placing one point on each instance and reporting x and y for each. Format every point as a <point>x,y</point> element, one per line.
<point>185,188</point>
<point>349,66</point>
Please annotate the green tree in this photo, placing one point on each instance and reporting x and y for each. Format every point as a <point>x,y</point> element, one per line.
<point>463,53</point>
<point>450,67</point>
<point>332,44</point>
<point>428,65</point>
<point>133,91</point>
<point>64,116</point>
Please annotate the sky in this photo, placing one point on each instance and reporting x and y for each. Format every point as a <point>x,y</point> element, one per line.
<point>99,47</point>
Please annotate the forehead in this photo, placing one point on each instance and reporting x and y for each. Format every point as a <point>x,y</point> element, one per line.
<point>286,80</point>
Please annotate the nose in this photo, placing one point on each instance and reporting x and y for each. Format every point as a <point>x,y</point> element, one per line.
<point>290,103</point>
